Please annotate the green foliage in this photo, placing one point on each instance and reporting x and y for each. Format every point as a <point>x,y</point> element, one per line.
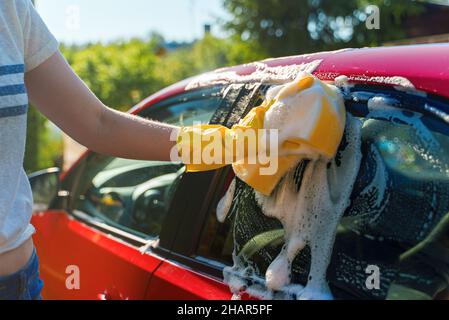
<point>120,73</point>
<point>285,27</point>
<point>123,73</point>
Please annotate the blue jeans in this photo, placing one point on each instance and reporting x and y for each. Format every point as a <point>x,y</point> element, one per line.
<point>25,284</point>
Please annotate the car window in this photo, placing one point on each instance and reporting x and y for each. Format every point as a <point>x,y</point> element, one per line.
<point>135,195</point>
<point>398,218</point>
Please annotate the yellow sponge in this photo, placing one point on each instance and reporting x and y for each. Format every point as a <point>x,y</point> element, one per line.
<point>307,114</point>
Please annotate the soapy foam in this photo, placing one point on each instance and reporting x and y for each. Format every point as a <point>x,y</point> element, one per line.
<point>342,82</point>
<point>309,217</point>
<point>399,83</point>
<point>396,81</point>
<point>225,203</point>
<point>262,74</point>
<point>302,111</point>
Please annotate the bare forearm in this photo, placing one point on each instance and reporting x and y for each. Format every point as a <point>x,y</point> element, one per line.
<point>132,137</point>
<point>61,96</point>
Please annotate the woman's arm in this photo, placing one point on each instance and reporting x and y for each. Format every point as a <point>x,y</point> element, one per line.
<point>62,96</point>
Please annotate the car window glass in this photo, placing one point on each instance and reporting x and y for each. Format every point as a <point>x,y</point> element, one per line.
<point>185,109</point>
<point>135,195</point>
<point>398,218</point>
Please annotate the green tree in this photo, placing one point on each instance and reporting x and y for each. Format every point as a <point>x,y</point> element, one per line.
<point>119,73</point>
<point>285,27</point>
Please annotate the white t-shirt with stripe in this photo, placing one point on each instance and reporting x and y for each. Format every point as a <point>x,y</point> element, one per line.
<point>25,43</point>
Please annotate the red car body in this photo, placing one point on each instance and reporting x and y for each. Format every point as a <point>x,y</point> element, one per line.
<point>111,268</point>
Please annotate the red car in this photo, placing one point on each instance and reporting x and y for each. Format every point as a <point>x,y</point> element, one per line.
<point>113,228</point>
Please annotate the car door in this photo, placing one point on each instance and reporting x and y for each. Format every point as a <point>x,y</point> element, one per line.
<point>114,211</point>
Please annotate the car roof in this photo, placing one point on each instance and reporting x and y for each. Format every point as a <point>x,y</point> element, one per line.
<point>425,67</point>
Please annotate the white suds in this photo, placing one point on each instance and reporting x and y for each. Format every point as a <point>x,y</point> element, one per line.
<point>398,82</point>
<point>309,217</point>
<point>263,74</point>
<point>342,82</point>
<point>225,203</point>
<point>296,115</point>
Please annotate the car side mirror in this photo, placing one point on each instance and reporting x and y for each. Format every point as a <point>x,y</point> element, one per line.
<point>45,187</point>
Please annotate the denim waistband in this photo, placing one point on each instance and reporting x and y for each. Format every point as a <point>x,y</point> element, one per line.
<point>24,284</point>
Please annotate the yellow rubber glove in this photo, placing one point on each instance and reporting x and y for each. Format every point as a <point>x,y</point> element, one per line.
<point>197,142</point>
<point>308,114</point>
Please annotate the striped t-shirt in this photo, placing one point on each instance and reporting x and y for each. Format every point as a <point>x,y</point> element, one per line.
<point>25,43</point>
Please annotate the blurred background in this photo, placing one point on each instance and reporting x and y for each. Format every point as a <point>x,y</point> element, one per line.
<point>127,50</point>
